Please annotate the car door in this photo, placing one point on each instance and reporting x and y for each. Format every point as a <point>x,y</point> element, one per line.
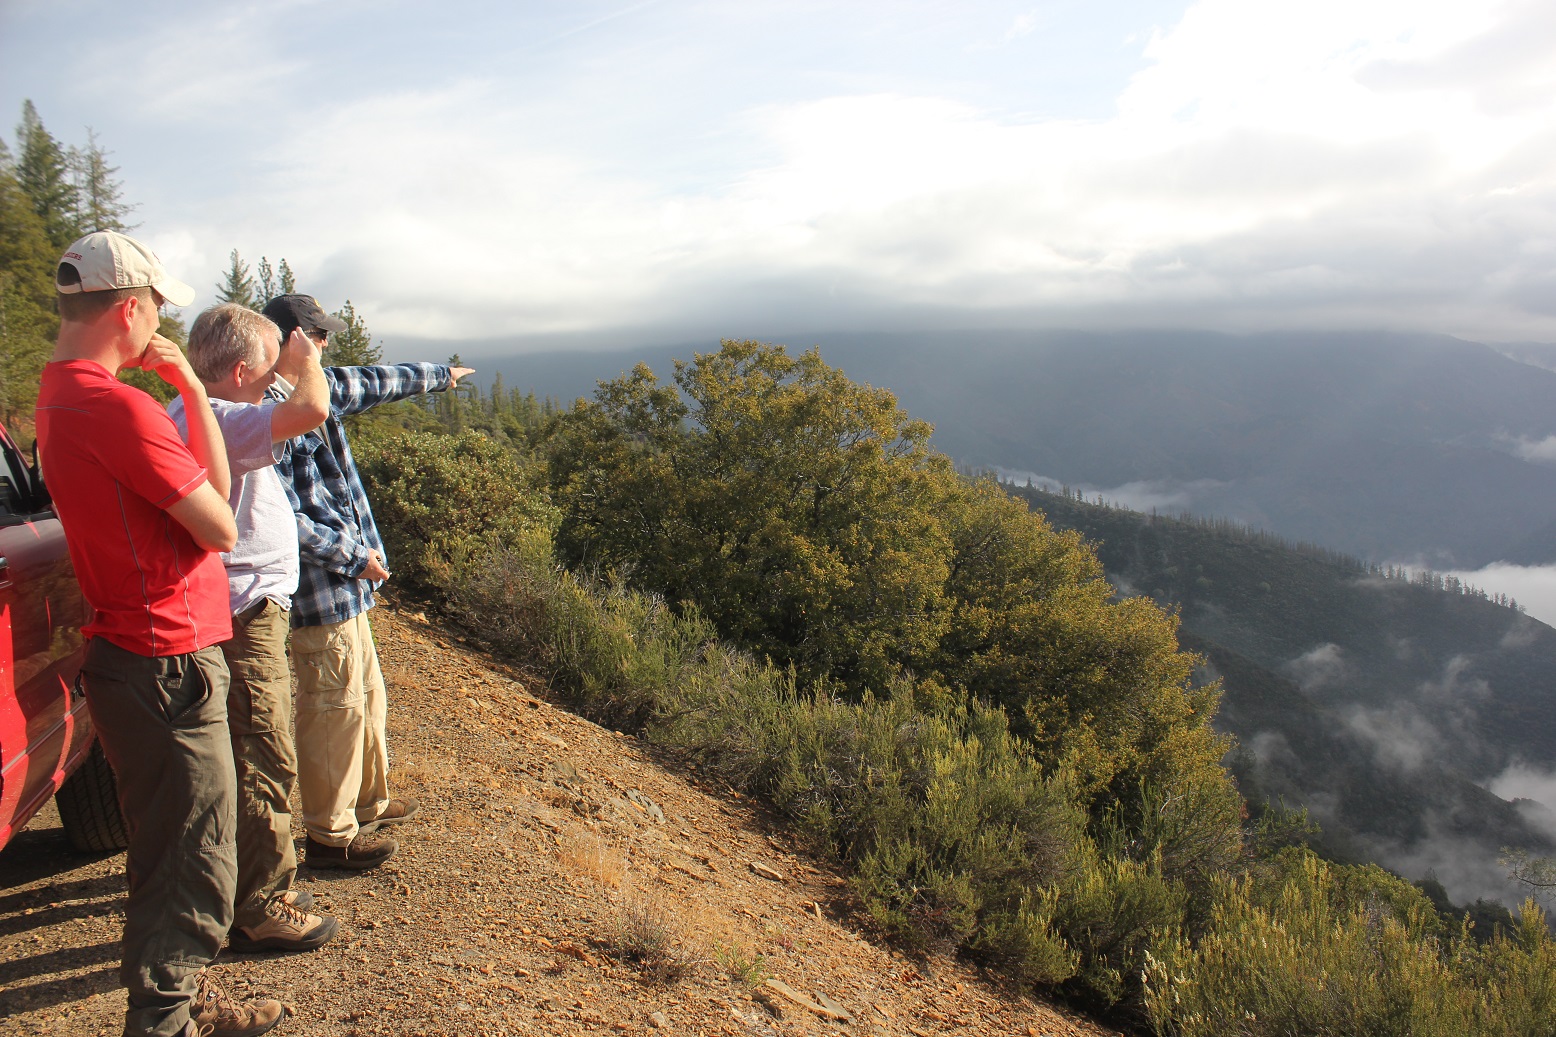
<point>44,727</point>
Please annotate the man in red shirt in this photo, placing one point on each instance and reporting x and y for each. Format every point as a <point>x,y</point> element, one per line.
<point>144,516</point>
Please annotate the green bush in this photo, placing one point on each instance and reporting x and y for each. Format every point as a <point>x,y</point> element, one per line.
<point>441,500</point>
<point>1330,950</point>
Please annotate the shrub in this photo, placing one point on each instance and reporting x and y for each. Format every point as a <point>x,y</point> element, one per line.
<point>442,500</point>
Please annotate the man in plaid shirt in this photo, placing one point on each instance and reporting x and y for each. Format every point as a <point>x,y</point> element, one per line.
<point>342,754</point>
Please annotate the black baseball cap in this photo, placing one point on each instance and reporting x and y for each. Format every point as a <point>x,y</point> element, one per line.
<point>300,311</point>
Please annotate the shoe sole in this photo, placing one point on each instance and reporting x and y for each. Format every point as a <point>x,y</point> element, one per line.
<point>320,935</point>
<point>359,864</point>
<point>373,826</point>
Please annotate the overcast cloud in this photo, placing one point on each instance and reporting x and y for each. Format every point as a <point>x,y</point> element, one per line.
<point>702,169</point>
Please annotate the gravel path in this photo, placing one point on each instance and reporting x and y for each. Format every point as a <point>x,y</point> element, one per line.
<point>559,880</point>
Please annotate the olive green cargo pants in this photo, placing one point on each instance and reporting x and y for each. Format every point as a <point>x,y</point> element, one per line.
<point>162,723</point>
<point>259,717</point>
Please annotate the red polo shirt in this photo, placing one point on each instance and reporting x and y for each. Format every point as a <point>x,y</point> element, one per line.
<point>113,460</point>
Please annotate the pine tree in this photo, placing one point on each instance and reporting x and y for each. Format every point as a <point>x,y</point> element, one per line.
<point>99,194</point>
<point>500,402</point>
<point>354,346</point>
<point>239,286</point>
<point>267,283</point>
<point>27,319</point>
<point>273,282</point>
<point>44,173</point>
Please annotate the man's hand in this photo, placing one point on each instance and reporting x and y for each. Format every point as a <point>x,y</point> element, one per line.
<point>374,569</point>
<point>168,361</point>
<point>456,373</point>
<point>297,353</point>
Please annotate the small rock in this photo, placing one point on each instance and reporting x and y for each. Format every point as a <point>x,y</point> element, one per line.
<point>767,873</point>
<point>658,1020</point>
<point>646,805</point>
<point>826,1012</point>
<point>838,1011</point>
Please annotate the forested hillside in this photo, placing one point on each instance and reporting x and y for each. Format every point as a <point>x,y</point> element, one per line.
<point>1384,701</point>
<point>1388,447</point>
<point>762,568</point>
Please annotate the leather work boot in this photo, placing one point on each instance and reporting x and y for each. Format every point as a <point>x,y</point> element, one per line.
<point>397,811</point>
<point>286,928</point>
<point>214,1012</point>
<point>363,852</point>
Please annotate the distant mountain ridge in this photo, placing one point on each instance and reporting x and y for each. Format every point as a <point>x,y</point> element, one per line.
<point>1390,447</point>
<point>1383,705</point>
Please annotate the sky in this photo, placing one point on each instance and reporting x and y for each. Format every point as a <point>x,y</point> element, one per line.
<point>607,173</point>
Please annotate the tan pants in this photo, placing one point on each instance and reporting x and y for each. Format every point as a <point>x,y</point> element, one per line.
<point>259,716</point>
<point>342,755</point>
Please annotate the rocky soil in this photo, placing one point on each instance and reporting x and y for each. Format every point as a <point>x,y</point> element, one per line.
<point>559,880</point>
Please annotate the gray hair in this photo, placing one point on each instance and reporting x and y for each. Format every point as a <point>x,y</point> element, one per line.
<point>225,334</point>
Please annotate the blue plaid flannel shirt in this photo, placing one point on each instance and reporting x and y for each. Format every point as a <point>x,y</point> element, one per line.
<point>335,526</point>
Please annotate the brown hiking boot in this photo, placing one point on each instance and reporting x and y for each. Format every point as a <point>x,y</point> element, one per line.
<point>397,811</point>
<point>363,852</point>
<point>298,898</point>
<point>286,928</point>
<point>214,1012</point>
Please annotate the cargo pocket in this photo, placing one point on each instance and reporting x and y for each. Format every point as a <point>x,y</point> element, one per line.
<point>325,670</point>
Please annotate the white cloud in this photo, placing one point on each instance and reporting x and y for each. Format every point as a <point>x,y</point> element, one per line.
<point>1534,586</point>
<point>1325,164</point>
<point>1320,667</point>
<point>1542,450</point>
<point>1523,781</point>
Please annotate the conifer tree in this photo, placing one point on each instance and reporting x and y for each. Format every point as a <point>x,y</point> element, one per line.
<point>27,319</point>
<point>354,346</point>
<point>238,286</point>
<point>99,194</point>
<point>44,174</point>
<point>266,284</point>
<point>287,284</point>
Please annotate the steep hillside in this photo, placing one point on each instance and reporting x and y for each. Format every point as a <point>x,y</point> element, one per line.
<point>560,881</point>
<point>1383,705</point>
<point>1390,447</point>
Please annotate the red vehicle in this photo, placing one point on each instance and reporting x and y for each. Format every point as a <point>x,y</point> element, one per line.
<point>47,745</point>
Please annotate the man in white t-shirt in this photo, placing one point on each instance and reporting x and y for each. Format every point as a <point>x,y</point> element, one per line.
<point>237,354</point>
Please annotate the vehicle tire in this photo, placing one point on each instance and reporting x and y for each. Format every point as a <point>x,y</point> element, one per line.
<point>88,804</point>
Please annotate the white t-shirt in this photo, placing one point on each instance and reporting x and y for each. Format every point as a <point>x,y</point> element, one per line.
<point>263,563</point>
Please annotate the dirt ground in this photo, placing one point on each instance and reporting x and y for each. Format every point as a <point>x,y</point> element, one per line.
<point>559,880</point>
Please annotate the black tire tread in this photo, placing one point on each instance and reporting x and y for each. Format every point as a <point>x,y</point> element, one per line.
<point>88,804</point>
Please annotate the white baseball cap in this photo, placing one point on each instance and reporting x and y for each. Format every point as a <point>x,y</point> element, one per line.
<point>105,260</point>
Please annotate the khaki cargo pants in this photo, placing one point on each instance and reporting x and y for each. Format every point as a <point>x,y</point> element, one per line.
<point>342,752</point>
<point>162,723</point>
<point>259,716</point>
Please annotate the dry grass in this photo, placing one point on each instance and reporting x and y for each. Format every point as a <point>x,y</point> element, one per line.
<point>645,934</point>
<point>586,854</point>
